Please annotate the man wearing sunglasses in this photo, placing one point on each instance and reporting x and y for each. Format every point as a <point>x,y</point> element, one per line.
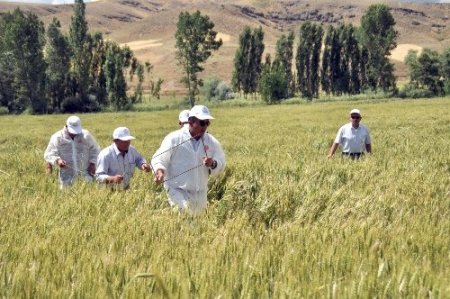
<point>353,137</point>
<point>185,160</point>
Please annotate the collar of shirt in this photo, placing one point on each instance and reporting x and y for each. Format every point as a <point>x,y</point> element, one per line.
<point>116,150</point>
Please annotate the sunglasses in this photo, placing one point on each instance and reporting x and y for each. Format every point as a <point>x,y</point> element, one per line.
<point>203,123</point>
<point>355,117</point>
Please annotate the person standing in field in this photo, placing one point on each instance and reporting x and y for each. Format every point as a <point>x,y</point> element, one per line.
<point>74,150</point>
<point>353,137</point>
<point>185,160</point>
<point>183,118</point>
<point>116,163</point>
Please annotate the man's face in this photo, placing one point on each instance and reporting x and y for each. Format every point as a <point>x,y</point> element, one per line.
<point>122,145</point>
<point>198,127</point>
<point>355,119</point>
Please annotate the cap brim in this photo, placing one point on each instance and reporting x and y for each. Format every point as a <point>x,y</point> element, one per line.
<point>126,138</point>
<point>204,117</point>
<point>74,130</point>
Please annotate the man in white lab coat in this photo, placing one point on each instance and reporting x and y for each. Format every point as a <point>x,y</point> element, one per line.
<point>74,150</point>
<point>185,160</point>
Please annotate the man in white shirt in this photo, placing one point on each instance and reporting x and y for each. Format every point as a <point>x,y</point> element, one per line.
<point>116,163</point>
<point>185,160</point>
<point>353,137</point>
<point>74,150</point>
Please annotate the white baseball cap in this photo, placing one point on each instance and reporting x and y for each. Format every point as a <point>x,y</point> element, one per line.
<point>184,116</point>
<point>200,112</point>
<point>73,124</point>
<point>355,111</point>
<point>122,133</point>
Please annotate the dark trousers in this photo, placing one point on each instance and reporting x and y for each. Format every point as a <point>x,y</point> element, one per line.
<point>353,156</point>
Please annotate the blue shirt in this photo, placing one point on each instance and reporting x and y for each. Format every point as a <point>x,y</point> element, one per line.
<point>111,162</point>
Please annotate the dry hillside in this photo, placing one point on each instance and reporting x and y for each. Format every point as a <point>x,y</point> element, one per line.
<point>148,26</point>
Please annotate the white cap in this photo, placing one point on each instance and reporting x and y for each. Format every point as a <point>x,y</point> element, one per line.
<point>200,112</point>
<point>355,111</point>
<point>73,124</point>
<point>123,134</point>
<point>184,116</point>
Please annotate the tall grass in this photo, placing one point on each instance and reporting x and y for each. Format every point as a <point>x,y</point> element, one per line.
<point>283,221</point>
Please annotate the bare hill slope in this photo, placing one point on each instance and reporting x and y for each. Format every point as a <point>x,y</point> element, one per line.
<point>148,26</point>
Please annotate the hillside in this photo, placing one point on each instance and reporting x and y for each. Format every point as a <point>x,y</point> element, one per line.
<point>148,26</point>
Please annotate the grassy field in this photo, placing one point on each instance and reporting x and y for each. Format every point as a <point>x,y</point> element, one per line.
<point>283,221</point>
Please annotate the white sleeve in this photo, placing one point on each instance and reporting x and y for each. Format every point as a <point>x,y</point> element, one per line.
<point>161,158</point>
<point>51,153</point>
<point>219,156</point>
<point>101,172</point>
<point>338,138</point>
<point>94,149</point>
<point>368,139</point>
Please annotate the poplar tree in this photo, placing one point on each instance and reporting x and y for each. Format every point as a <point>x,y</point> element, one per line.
<point>80,42</point>
<point>308,58</point>
<point>247,60</point>
<point>283,57</point>
<point>57,52</point>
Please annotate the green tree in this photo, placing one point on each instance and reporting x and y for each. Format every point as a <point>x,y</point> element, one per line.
<point>445,62</point>
<point>241,72</point>
<point>273,85</point>
<point>80,42</point>
<point>283,56</point>
<point>308,58</point>
<point>116,85</point>
<point>247,60</point>
<point>195,41</point>
<point>23,41</point>
<point>425,70</point>
<point>57,52</point>
<point>379,36</point>
<point>97,79</point>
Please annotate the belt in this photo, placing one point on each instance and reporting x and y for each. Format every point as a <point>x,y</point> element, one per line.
<point>352,154</point>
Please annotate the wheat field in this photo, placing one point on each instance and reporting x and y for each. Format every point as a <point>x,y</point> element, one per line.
<point>282,222</point>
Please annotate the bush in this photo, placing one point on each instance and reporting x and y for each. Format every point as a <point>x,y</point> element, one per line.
<point>71,105</point>
<point>209,87</point>
<point>4,110</point>
<point>223,92</point>
<point>411,91</point>
<point>273,85</point>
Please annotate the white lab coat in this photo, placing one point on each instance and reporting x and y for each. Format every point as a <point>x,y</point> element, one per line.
<point>186,183</point>
<point>77,152</point>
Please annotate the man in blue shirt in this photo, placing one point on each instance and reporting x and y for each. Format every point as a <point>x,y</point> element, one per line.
<point>353,137</point>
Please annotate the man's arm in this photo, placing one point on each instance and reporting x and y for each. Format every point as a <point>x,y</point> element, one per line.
<point>333,150</point>
<point>369,148</point>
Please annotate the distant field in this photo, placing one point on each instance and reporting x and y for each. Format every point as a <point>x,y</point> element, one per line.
<point>283,221</point>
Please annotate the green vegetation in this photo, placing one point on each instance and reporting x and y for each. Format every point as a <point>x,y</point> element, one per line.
<point>195,41</point>
<point>283,221</point>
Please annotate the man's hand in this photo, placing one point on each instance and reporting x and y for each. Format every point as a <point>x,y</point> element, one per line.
<point>208,162</point>
<point>117,179</point>
<point>49,168</point>
<point>145,167</point>
<point>61,163</point>
<point>159,176</point>
<point>91,169</point>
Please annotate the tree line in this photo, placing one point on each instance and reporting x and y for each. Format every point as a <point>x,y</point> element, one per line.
<point>342,60</point>
<point>45,71</point>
